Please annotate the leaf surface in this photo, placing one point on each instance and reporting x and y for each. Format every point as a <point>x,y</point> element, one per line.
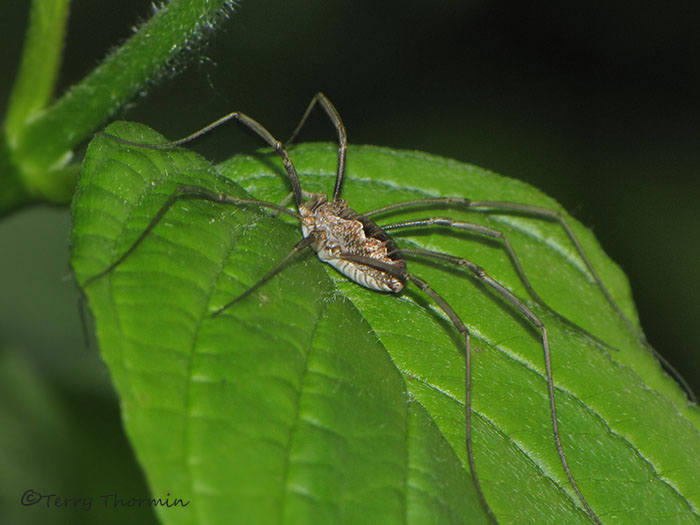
<point>315,400</point>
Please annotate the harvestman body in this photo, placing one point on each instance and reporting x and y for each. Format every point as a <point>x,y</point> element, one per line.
<point>364,252</point>
<point>342,236</point>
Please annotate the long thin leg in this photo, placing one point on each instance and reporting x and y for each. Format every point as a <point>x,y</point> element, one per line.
<point>427,202</point>
<point>248,122</point>
<point>333,114</point>
<point>555,216</point>
<point>481,274</point>
<point>303,243</point>
<point>535,211</point>
<point>191,192</point>
<point>460,326</point>
<point>492,233</point>
<point>462,329</point>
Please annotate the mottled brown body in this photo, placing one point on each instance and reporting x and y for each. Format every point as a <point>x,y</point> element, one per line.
<point>342,234</point>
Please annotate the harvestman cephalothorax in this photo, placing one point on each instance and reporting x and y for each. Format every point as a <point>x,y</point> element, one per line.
<point>365,253</point>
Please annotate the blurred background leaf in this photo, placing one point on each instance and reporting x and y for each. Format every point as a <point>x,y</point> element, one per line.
<point>595,104</point>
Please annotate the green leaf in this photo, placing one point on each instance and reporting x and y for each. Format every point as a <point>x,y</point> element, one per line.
<point>315,400</point>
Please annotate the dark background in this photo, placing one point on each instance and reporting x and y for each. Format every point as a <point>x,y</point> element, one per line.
<point>595,104</point>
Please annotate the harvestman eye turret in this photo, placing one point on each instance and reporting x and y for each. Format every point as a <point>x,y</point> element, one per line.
<point>364,252</point>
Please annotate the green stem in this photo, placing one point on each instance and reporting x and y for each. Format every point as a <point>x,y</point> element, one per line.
<point>42,147</point>
<point>39,66</point>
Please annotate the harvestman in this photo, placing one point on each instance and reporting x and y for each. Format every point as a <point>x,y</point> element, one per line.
<point>365,253</point>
